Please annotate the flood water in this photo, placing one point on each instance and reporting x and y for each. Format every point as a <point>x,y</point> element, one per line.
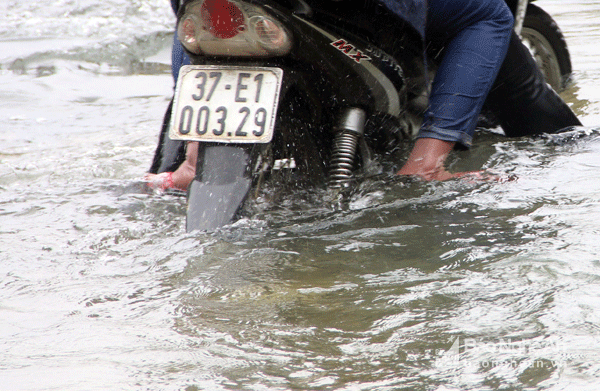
<point>412,286</point>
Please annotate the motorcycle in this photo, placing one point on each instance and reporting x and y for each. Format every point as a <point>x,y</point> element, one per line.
<point>544,39</point>
<point>302,93</point>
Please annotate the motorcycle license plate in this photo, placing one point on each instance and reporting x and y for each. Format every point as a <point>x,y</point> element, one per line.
<point>225,104</point>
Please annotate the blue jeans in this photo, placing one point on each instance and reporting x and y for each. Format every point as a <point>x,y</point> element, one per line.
<point>179,58</point>
<point>476,34</point>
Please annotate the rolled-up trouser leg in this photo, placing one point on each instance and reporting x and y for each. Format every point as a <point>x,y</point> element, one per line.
<point>524,103</point>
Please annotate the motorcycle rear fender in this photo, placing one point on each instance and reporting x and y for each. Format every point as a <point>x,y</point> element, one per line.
<point>220,187</point>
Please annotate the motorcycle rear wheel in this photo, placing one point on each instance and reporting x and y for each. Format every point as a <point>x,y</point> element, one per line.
<point>547,44</point>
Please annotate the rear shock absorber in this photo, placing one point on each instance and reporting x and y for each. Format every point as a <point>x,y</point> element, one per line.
<point>350,129</point>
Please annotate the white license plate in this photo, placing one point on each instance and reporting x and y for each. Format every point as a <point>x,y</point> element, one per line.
<point>225,104</point>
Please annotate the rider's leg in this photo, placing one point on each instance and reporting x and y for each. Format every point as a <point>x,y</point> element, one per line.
<point>475,34</point>
<point>524,103</point>
<point>179,58</point>
<point>169,154</point>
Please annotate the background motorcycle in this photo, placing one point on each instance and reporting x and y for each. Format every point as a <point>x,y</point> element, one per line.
<point>542,36</point>
<point>288,93</point>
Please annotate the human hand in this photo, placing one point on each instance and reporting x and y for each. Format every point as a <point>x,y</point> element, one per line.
<point>162,181</point>
<point>426,162</point>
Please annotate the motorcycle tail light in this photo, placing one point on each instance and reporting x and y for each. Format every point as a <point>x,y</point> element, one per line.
<point>232,28</point>
<point>222,18</point>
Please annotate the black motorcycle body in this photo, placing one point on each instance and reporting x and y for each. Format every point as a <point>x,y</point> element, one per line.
<point>333,87</point>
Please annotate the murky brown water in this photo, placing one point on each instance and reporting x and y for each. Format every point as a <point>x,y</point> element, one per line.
<point>416,286</point>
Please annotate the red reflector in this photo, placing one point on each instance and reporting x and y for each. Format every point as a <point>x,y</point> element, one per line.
<point>223,18</point>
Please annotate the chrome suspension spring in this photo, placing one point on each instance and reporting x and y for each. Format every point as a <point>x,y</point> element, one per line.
<point>345,145</point>
<point>342,158</point>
